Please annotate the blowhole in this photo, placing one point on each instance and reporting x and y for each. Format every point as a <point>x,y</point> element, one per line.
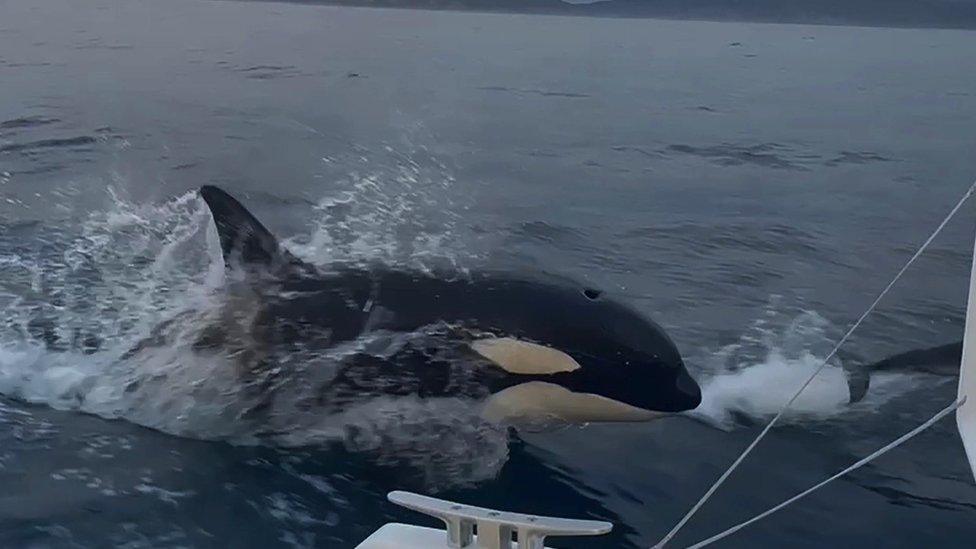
<point>592,294</point>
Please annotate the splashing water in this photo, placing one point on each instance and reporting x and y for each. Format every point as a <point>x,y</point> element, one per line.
<point>79,298</point>
<point>752,379</point>
<point>402,215</point>
<point>760,390</point>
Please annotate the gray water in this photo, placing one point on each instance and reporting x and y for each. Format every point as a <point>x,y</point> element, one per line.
<point>751,187</point>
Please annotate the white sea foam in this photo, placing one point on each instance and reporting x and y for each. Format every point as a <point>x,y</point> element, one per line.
<point>753,378</point>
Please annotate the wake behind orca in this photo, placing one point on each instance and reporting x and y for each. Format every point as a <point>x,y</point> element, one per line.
<point>534,346</point>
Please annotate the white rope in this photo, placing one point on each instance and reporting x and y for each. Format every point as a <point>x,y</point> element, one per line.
<point>896,443</point>
<point>735,464</point>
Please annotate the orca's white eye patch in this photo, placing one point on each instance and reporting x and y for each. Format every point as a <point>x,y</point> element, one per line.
<point>522,357</point>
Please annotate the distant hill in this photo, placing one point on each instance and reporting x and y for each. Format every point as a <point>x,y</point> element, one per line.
<point>885,13</point>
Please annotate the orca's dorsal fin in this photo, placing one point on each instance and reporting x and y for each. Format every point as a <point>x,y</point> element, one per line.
<point>243,239</point>
<point>858,383</point>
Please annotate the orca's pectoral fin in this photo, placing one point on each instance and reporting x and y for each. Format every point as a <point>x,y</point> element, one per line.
<point>243,239</point>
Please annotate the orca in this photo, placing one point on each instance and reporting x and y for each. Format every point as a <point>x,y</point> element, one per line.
<point>943,360</point>
<point>534,345</point>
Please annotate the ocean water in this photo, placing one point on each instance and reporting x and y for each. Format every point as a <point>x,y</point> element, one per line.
<point>751,187</point>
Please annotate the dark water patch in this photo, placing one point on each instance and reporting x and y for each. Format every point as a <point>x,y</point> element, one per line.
<point>52,168</point>
<point>851,157</point>
<point>592,163</point>
<point>111,47</point>
<point>958,258</point>
<point>70,142</point>
<point>918,312</point>
<point>538,153</point>
<point>266,68</point>
<point>902,498</point>
<point>558,94</point>
<point>736,274</point>
<point>527,91</point>
<point>18,65</point>
<point>43,106</point>
<point>638,150</point>
<point>186,166</point>
<point>12,230</point>
<point>270,72</point>
<point>765,155</point>
<point>704,108</point>
<point>709,240</point>
<point>598,257</point>
<point>548,232</point>
<point>270,198</point>
<point>98,44</point>
<point>27,122</point>
<point>607,257</point>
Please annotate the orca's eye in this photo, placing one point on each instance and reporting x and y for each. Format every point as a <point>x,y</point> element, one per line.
<point>592,294</point>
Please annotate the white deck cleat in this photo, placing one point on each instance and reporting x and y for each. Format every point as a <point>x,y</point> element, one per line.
<point>474,527</point>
